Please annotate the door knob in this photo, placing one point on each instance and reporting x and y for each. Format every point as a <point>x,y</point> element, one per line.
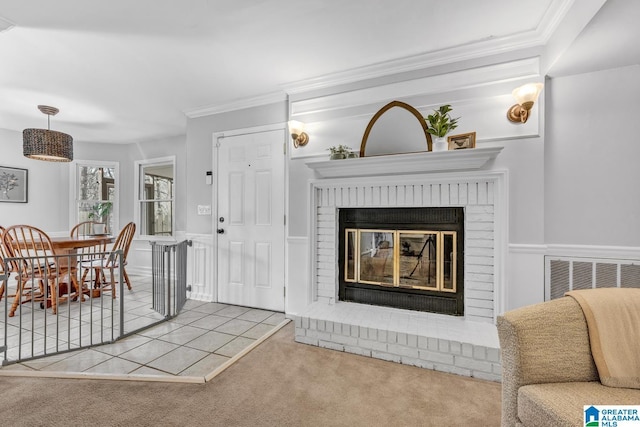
<point>220,230</point>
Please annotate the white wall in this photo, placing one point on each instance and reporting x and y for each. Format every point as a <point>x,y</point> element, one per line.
<point>591,159</point>
<point>200,154</point>
<point>48,192</point>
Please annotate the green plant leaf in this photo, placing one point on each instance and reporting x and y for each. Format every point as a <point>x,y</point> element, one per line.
<point>440,122</point>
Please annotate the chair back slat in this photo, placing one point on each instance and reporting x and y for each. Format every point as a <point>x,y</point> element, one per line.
<point>87,228</point>
<point>33,246</point>
<point>3,251</point>
<point>123,241</point>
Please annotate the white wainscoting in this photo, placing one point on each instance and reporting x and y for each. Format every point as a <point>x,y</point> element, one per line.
<point>200,263</point>
<point>526,276</point>
<point>139,257</point>
<point>298,296</point>
<point>201,271</point>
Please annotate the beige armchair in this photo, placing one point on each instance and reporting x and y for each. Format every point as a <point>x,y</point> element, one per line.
<point>548,371</point>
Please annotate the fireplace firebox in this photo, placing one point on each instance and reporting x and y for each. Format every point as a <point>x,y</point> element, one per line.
<point>410,258</point>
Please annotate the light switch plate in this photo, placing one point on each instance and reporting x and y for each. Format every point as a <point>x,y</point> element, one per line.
<point>204,210</point>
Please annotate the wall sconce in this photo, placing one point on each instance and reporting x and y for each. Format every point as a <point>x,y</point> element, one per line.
<point>526,96</point>
<point>296,129</point>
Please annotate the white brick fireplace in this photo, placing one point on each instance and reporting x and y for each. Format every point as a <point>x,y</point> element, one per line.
<point>465,345</point>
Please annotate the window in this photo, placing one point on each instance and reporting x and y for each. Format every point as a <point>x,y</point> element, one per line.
<point>96,195</point>
<point>155,196</point>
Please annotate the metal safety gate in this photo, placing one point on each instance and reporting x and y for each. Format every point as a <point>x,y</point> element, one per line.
<point>65,310</point>
<point>169,265</point>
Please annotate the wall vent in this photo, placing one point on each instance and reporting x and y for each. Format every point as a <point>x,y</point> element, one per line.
<point>563,274</point>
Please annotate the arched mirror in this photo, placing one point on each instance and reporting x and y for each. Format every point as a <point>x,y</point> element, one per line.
<point>396,128</point>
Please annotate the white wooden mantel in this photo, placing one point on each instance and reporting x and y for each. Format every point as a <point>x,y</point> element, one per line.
<point>403,164</point>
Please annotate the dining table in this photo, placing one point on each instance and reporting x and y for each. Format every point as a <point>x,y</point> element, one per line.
<point>67,248</point>
<point>63,245</point>
<point>70,245</point>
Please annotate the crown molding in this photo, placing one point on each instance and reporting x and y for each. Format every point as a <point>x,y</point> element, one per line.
<point>240,104</point>
<point>526,68</point>
<point>494,46</point>
<point>552,19</point>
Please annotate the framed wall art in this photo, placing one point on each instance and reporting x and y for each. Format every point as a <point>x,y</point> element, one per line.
<point>13,185</point>
<point>462,141</point>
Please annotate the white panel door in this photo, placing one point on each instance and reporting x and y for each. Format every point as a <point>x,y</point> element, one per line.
<point>250,222</point>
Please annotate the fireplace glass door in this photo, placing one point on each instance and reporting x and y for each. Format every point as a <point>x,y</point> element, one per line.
<point>407,259</point>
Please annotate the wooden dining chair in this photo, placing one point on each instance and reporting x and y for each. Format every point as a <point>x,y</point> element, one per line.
<point>3,256</point>
<point>85,228</point>
<point>111,262</point>
<point>6,266</point>
<point>87,253</point>
<point>37,267</point>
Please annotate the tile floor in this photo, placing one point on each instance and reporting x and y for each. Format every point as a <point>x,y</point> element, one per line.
<point>201,339</point>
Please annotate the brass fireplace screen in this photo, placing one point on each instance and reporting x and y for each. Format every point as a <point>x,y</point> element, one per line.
<point>411,259</point>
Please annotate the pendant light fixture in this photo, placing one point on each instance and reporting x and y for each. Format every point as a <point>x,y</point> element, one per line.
<point>45,144</point>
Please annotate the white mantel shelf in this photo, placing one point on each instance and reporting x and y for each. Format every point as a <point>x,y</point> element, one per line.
<point>403,164</point>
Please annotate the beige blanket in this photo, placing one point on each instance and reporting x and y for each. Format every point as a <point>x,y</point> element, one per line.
<point>613,319</point>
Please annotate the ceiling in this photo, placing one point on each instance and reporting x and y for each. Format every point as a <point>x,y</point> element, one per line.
<point>123,71</point>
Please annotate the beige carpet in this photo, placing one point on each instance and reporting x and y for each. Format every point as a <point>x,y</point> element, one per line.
<point>280,383</point>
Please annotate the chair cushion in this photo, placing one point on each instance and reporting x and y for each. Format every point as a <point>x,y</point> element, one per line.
<point>562,404</point>
<point>94,263</point>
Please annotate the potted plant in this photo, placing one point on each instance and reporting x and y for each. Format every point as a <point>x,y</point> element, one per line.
<point>100,212</point>
<point>440,124</point>
<point>340,152</point>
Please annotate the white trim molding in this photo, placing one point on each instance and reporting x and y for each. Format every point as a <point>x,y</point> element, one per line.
<point>594,251</point>
<point>534,38</point>
<point>524,69</point>
<point>137,199</point>
<point>240,104</point>
<point>247,131</point>
<point>199,270</point>
<point>577,251</point>
<point>519,248</point>
<point>403,164</point>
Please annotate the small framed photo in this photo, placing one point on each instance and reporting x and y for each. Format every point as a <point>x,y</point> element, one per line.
<point>13,185</point>
<point>464,140</point>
